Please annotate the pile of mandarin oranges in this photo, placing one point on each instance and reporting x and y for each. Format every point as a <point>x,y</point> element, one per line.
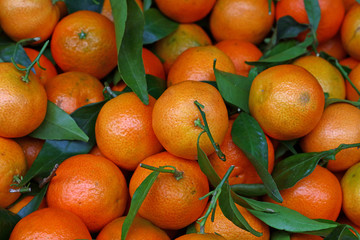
<point>179,119</point>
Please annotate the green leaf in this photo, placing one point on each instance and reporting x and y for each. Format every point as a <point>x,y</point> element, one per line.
<point>250,138</point>
<point>157,26</point>
<point>77,5</point>
<point>249,190</point>
<point>314,14</point>
<point>234,88</point>
<point>206,167</point>
<point>130,63</point>
<point>288,27</point>
<point>119,12</point>
<point>8,221</point>
<point>329,101</point>
<point>231,212</point>
<point>278,48</point>
<point>155,86</point>
<point>147,4</point>
<point>20,56</point>
<point>280,235</point>
<point>285,146</point>
<point>285,55</point>
<point>56,151</point>
<point>286,219</point>
<point>58,125</point>
<point>136,201</point>
<point>34,204</point>
<point>341,232</point>
<point>191,228</point>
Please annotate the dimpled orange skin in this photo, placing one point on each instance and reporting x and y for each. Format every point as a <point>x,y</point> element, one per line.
<point>185,11</point>
<point>320,190</point>
<point>92,187</point>
<point>184,37</point>
<point>22,105</point>
<point>329,77</point>
<point>175,112</point>
<point>330,21</point>
<point>43,75</point>
<point>333,47</point>
<point>349,62</point>
<point>72,90</point>
<point>152,64</point>
<point>223,226</point>
<point>124,131</point>
<point>171,203</point>
<point>239,52</point>
<point>350,32</point>
<point>22,19</point>
<point>287,101</point>
<point>354,76</point>
<point>245,20</point>
<point>12,162</point>
<point>50,223</point>
<point>244,171</point>
<point>197,63</point>
<point>140,229</point>
<point>85,41</point>
<point>198,236</point>
<point>339,124</point>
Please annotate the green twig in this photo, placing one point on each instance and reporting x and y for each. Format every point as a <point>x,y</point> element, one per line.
<point>164,169</point>
<point>212,205</point>
<point>206,129</point>
<point>16,183</point>
<point>36,61</point>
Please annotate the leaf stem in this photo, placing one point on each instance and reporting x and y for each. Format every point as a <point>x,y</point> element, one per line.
<point>36,61</point>
<point>206,129</point>
<point>48,179</point>
<point>212,205</point>
<point>162,169</point>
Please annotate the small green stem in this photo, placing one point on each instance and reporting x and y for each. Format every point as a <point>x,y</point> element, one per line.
<point>213,202</point>
<point>82,35</point>
<point>36,61</point>
<point>16,182</point>
<point>162,169</point>
<point>206,129</point>
<point>109,91</point>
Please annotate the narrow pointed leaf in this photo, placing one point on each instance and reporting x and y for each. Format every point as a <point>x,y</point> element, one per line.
<point>34,204</point>
<point>58,125</point>
<point>157,26</point>
<point>314,14</point>
<point>234,88</point>
<point>288,27</point>
<point>147,4</point>
<point>280,235</point>
<point>136,201</point>
<point>250,138</point>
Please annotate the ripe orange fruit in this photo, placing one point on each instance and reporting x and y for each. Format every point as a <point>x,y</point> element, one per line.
<point>329,77</point>
<point>301,236</point>
<point>172,203</point>
<point>197,63</point>
<point>96,151</point>
<point>338,124</point>
<point>152,64</point>
<point>351,94</point>
<point>184,37</point>
<point>91,187</point>
<point>333,47</point>
<point>349,62</point>
<point>175,112</point>
<point>107,11</point>
<point>119,87</point>
<point>22,105</point>
<point>85,41</point>
<point>348,4</point>
<point>50,223</point>
<point>320,190</point>
<point>330,21</point>
<point>287,101</point>
<point>198,236</point>
<point>230,231</point>
<point>185,11</point>
<point>244,20</point>
<point>43,75</point>
<point>244,171</point>
<point>349,29</point>
<point>239,52</point>
<point>140,229</point>
<point>31,147</point>
<point>23,202</point>
<point>351,193</point>
<point>21,20</point>
<point>124,131</point>
<point>72,90</point>
<point>12,163</point>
